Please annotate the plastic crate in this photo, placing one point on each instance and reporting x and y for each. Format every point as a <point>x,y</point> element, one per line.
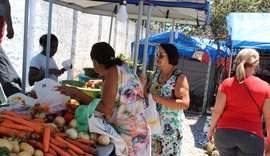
<point>89,91</point>
<point>83,78</point>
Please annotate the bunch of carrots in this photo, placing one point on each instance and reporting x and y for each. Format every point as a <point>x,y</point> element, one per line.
<point>43,136</point>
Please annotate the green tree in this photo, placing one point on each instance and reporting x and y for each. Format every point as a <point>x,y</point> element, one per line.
<point>219,11</point>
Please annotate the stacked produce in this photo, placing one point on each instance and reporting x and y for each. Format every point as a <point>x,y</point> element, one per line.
<point>38,133</point>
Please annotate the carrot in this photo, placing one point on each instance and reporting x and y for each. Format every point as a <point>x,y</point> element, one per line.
<point>70,145</point>
<point>86,154</point>
<point>26,117</point>
<point>60,134</point>
<point>10,113</point>
<point>38,120</point>
<point>51,151</point>
<point>10,132</point>
<point>59,150</point>
<point>52,140</point>
<point>48,154</point>
<point>10,124</point>
<point>53,129</point>
<point>37,128</point>
<point>85,148</point>
<point>46,138</point>
<point>35,143</point>
<point>63,145</point>
<point>86,141</point>
<point>72,153</point>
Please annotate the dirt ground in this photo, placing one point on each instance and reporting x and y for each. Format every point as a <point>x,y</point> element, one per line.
<point>192,135</point>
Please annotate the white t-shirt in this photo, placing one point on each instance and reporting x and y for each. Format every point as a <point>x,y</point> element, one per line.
<point>39,61</point>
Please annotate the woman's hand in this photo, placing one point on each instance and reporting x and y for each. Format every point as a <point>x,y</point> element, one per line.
<point>57,72</point>
<point>142,80</point>
<point>68,91</point>
<point>211,133</point>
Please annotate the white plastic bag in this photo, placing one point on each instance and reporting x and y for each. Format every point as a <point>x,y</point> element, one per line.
<point>152,116</point>
<point>46,94</point>
<point>100,126</point>
<point>67,65</point>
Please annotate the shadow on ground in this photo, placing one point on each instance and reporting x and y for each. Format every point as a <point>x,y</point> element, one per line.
<point>196,124</point>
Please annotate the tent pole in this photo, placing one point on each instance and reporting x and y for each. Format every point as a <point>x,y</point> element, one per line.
<point>146,39</point>
<point>31,24</point>
<point>155,59</point>
<point>139,23</point>
<point>205,96</point>
<point>110,34</point>
<point>26,14</point>
<point>115,33</point>
<point>73,40</point>
<point>172,32</point>
<point>48,45</point>
<point>230,67</point>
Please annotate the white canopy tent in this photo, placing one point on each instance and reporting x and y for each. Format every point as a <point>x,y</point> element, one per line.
<point>191,12</point>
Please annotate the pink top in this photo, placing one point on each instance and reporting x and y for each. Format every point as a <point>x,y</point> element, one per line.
<point>241,111</point>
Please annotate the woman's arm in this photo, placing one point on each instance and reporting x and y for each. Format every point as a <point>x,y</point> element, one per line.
<point>35,75</point>
<point>181,94</point>
<point>109,92</point>
<point>266,116</point>
<point>5,8</point>
<point>217,112</point>
<point>74,93</point>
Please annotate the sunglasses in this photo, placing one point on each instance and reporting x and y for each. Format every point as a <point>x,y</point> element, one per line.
<point>158,55</point>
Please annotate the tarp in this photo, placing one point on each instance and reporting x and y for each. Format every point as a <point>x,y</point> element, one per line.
<point>249,30</point>
<point>191,12</point>
<point>186,46</point>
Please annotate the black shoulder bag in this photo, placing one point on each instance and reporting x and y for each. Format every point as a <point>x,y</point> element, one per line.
<point>252,98</point>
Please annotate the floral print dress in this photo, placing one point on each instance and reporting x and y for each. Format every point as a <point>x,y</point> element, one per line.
<point>170,141</point>
<point>128,118</point>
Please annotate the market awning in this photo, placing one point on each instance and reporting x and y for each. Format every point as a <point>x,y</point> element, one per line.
<point>249,30</point>
<point>192,12</point>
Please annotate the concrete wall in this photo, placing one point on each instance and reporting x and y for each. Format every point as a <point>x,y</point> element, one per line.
<point>62,22</point>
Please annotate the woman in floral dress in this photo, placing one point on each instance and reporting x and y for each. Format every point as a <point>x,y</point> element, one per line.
<point>122,101</point>
<point>170,90</point>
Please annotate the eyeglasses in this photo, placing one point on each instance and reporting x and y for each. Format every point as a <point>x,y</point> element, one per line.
<point>158,55</point>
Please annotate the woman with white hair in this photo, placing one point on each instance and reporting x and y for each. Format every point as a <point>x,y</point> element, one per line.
<point>236,125</point>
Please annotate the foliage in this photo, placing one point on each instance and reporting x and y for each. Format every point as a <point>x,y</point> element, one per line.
<point>219,11</point>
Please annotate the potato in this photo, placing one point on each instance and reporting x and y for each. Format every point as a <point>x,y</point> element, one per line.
<point>16,149</point>
<point>103,139</point>
<point>13,154</point>
<point>25,153</point>
<point>215,153</point>
<point>38,153</point>
<point>26,147</point>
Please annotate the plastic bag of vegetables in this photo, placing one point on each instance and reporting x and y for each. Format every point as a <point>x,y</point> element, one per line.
<point>47,95</point>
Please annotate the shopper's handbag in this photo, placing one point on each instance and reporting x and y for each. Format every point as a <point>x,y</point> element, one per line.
<point>152,116</point>
<point>253,98</point>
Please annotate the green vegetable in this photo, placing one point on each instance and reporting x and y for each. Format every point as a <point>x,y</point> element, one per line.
<point>4,151</point>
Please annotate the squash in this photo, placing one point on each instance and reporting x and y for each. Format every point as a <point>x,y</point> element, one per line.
<point>4,151</point>
<point>6,143</point>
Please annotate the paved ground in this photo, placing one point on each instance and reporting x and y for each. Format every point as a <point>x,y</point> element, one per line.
<point>192,134</point>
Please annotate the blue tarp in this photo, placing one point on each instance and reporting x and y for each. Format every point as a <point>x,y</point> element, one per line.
<point>249,30</point>
<point>186,46</point>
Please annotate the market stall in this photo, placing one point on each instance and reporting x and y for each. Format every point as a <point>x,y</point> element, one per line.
<point>45,121</point>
